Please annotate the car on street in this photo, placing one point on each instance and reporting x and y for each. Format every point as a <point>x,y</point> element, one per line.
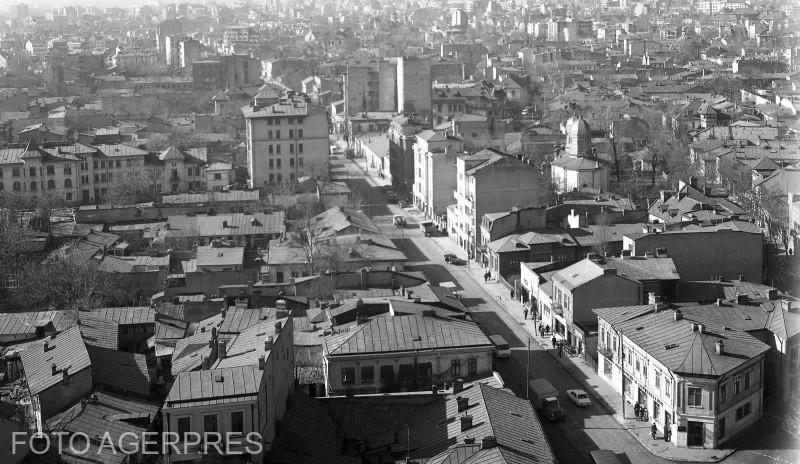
<point>579,397</point>
<point>458,261</point>
<point>449,256</point>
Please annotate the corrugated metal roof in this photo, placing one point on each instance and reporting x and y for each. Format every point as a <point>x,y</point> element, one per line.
<point>65,350</point>
<point>228,383</point>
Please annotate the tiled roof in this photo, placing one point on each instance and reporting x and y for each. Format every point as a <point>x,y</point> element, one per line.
<point>683,350</point>
<point>643,268</point>
<point>237,224</point>
<point>248,346</point>
<point>107,413</point>
<point>127,315</point>
<point>99,332</point>
<point>212,386</point>
<point>235,320</point>
<point>190,351</point>
<point>578,274</point>
<point>219,256</point>
<point>335,220</point>
<point>120,370</point>
<point>25,324</point>
<point>65,350</point>
<point>406,333</point>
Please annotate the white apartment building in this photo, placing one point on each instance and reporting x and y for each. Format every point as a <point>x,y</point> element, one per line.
<point>287,138</point>
<point>434,172</point>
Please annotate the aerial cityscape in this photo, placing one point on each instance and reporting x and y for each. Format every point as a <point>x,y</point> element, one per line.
<point>399,232</point>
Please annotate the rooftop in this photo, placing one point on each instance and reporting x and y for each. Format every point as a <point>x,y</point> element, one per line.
<point>215,386</point>
<point>65,351</point>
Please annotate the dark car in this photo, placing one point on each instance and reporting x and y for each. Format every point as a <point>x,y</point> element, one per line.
<point>449,256</point>
<point>458,261</point>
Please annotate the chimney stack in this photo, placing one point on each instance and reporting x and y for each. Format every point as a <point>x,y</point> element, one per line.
<point>678,315</point>
<point>720,347</point>
<point>489,442</point>
<point>719,301</point>
<point>458,385</point>
<point>466,422</point>
<point>262,363</point>
<point>222,350</point>
<point>53,369</point>
<point>268,344</point>
<point>278,327</point>
<point>463,403</point>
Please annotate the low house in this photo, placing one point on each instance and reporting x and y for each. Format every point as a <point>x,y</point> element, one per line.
<point>583,286</point>
<point>250,230</point>
<point>58,372</point>
<point>424,351</point>
<point>703,382</point>
<point>136,324</point>
<point>550,244</point>
<point>690,203</point>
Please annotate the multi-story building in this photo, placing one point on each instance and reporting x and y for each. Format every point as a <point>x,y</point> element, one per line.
<point>434,177</point>
<point>402,136</point>
<point>371,87</point>
<point>80,173</point>
<point>490,181</point>
<point>286,139</point>
<point>702,382</point>
<point>414,85</point>
<point>579,167</point>
<point>188,52</point>
<point>242,397</point>
<point>404,353</point>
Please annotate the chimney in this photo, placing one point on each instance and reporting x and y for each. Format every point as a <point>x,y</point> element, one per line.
<point>417,299</point>
<point>652,298</point>
<point>773,294</point>
<point>693,181</point>
<point>664,195</point>
<point>65,375</point>
<point>458,386</point>
<point>469,440</point>
<point>720,347</point>
<point>741,298</point>
<point>741,277</point>
<point>278,327</point>
<point>489,442</point>
<point>262,363</point>
<point>466,422</point>
<point>678,316</point>
<point>694,327</point>
<point>268,344</point>
<point>224,224</point>
<point>214,333</point>
<point>222,350</point>
<point>463,403</point>
<point>700,328</point>
<point>53,369</point>
<point>719,301</point>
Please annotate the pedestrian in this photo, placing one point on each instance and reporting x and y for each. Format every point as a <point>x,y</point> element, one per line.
<point>553,340</point>
<point>512,294</point>
<point>524,314</point>
<point>636,409</point>
<point>485,277</point>
<point>560,350</point>
<point>653,430</point>
<point>667,433</point>
<point>547,329</point>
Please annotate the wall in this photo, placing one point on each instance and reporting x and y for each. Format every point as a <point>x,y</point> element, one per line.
<point>440,369</point>
<point>606,291</point>
<point>702,255</point>
<point>414,85</point>
<point>59,397</point>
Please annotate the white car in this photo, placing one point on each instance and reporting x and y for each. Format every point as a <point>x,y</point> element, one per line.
<point>579,397</point>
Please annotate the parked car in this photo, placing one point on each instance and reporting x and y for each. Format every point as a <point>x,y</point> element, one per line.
<point>399,221</point>
<point>579,397</point>
<point>501,349</point>
<point>458,261</point>
<point>391,196</point>
<point>449,256</point>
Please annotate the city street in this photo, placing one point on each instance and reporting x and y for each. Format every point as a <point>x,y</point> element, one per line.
<point>584,429</point>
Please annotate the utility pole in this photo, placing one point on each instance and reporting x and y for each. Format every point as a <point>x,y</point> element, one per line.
<point>528,371</point>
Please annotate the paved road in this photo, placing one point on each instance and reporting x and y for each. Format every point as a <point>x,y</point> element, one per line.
<point>584,429</point>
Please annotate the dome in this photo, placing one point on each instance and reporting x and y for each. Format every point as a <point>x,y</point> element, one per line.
<point>579,141</point>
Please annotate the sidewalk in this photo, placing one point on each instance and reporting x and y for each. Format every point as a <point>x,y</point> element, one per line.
<point>602,393</point>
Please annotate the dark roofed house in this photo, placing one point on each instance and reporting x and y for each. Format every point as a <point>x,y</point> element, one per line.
<point>136,324</point>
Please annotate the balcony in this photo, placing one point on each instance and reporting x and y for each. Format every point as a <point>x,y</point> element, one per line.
<point>606,351</point>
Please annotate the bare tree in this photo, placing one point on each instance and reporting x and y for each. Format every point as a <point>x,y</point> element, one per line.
<point>65,281</point>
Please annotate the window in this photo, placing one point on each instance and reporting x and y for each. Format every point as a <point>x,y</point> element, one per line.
<point>51,170</point>
<point>278,149</point>
<point>1,173</point>
<point>210,423</point>
<point>291,133</point>
<point>184,426</point>
<point>721,429</point>
<point>51,184</point>
<point>280,178</point>
<point>269,163</point>
<point>455,367</point>
<point>348,375</point>
<point>95,164</point>
<point>695,397</point>
<point>299,133</point>
<point>744,411</point>
<point>300,161</point>
<point>2,187</point>
<point>367,375</point>
<point>97,177</point>
<point>472,366</point>
<point>269,134</point>
<point>217,176</point>
<point>277,134</point>
<point>128,163</point>
<point>14,172</point>
<point>291,162</point>
<point>737,386</point>
<point>17,187</point>
<point>271,180</point>
<point>189,172</point>
<point>69,196</point>
<point>657,380</point>
<point>33,186</point>
<point>269,149</point>
<point>723,392</point>
<point>747,380</point>
<point>67,169</point>
<point>237,421</point>
<point>103,163</point>
<point>269,121</point>
<point>32,172</point>
<point>119,163</point>
<point>291,149</point>
<point>278,163</point>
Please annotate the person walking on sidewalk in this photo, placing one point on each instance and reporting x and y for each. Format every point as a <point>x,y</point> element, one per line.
<point>553,340</point>
<point>525,314</point>
<point>653,430</point>
<point>636,409</point>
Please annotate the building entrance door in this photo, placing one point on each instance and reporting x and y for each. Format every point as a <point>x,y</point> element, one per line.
<point>694,435</point>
